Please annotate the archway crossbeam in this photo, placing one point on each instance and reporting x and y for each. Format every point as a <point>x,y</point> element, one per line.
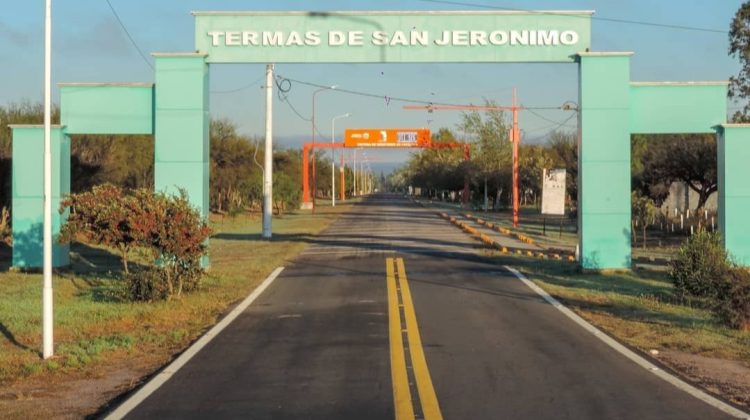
<point>611,107</point>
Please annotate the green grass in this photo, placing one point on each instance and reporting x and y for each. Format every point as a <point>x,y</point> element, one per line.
<point>639,308</point>
<point>90,324</point>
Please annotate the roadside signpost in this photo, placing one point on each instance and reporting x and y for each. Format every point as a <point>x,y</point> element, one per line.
<point>553,191</point>
<point>553,195</point>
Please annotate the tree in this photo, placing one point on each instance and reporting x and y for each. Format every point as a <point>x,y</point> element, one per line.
<point>688,158</point>
<point>287,180</point>
<point>16,113</point>
<point>126,161</point>
<point>564,153</point>
<point>533,159</point>
<point>739,47</point>
<point>436,169</point>
<point>644,178</point>
<point>491,150</point>
<point>644,213</point>
<point>286,192</point>
<point>101,216</point>
<point>236,178</point>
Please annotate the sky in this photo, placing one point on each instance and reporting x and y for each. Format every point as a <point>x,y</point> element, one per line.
<point>90,46</point>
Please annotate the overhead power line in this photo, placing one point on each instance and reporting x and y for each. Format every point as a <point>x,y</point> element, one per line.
<point>388,98</point>
<point>605,19</point>
<point>553,127</point>
<point>283,86</point>
<point>122,25</point>
<point>539,115</point>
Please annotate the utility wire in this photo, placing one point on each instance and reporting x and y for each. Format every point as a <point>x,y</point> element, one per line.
<point>283,87</point>
<point>122,25</point>
<point>282,93</point>
<point>605,19</point>
<point>540,116</point>
<point>554,126</point>
<point>390,98</point>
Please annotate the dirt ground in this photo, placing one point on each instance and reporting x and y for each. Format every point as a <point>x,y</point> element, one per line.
<point>727,379</point>
<point>75,396</point>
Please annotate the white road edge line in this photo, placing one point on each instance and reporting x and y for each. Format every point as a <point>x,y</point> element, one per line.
<point>132,402</point>
<point>677,382</point>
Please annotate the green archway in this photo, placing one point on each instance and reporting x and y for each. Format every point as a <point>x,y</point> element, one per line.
<point>611,108</point>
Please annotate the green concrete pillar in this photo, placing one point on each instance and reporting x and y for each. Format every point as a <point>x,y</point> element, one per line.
<point>734,190</point>
<point>181,127</point>
<point>28,194</point>
<point>604,160</point>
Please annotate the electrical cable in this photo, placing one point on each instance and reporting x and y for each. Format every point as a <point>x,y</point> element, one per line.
<point>553,127</point>
<point>283,87</point>
<point>283,96</point>
<point>539,115</point>
<point>130,37</point>
<point>392,98</point>
<point>605,19</point>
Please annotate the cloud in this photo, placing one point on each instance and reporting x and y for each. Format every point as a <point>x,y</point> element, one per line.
<point>14,37</point>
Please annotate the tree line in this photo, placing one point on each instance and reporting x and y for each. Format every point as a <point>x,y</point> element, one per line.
<point>657,161</point>
<point>127,161</point>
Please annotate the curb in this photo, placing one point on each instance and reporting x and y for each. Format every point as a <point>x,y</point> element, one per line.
<point>633,356</point>
<point>487,241</point>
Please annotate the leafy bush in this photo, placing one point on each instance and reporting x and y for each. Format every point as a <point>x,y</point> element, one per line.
<point>701,267</point>
<point>101,216</point>
<point>734,307</point>
<point>146,285</point>
<point>175,234</point>
<point>286,193</point>
<point>644,213</point>
<point>167,228</point>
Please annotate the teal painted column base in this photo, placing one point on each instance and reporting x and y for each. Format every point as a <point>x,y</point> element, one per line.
<point>28,194</point>
<point>182,128</point>
<point>604,161</point>
<point>734,190</point>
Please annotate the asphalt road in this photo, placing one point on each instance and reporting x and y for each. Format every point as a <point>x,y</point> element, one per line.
<point>391,314</point>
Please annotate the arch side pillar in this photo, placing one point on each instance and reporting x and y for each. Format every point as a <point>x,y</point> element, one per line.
<point>604,161</point>
<point>28,194</point>
<point>181,128</point>
<point>734,191</point>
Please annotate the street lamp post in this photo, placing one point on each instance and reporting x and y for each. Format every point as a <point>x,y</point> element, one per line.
<point>312,120</point>
<point>333,157</point>
<point>268,157</point>
<point>47,314</point>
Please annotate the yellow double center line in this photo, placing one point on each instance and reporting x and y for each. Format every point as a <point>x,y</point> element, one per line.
<point>399,302</point>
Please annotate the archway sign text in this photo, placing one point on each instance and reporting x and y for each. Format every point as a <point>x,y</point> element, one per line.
<point>371,37</point>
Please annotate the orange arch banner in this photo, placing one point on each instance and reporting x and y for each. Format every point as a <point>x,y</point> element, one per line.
<point>387,137</point>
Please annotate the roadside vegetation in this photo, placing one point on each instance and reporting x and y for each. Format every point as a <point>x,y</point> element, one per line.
<point>136,292</point>
<point>127,162</point>
<point>646,311</point>
<point>702,269</point>
<point>99,335</point>
<point>168,234</point>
